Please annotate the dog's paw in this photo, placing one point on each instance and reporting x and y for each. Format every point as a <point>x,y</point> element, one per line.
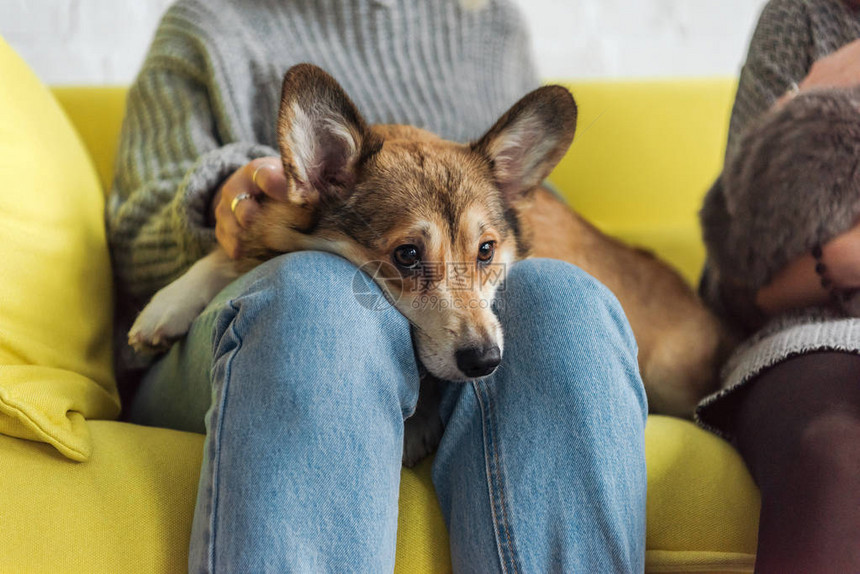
<point>146,343</point>
<point>421,436</point>
<point>165,319</point>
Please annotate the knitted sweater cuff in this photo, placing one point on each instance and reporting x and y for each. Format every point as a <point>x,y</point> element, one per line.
<point>191,205</point>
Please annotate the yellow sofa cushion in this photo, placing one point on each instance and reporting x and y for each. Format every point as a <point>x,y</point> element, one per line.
<point>55,290</point>
<point>703,506</point>
<point>129,508</point>
<point>126,509</point>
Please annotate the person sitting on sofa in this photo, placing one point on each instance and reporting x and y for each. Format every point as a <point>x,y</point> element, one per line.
<point>302,393</point>
<point>791,392</point>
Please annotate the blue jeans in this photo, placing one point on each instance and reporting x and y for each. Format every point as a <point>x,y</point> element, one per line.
<point>541,466</point>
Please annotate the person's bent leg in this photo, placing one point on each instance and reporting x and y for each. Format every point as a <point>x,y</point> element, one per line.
<point>542,465</point>
<point>798,429</point>
<point>304,440</point>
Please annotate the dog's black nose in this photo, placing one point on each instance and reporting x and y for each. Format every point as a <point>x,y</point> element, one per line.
<point>478,361</point>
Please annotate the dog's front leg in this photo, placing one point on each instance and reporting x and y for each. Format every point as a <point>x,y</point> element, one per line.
<point>423,430</point>
<point>172,310</point>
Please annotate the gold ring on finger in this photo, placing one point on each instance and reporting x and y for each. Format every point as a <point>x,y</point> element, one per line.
<point>242,196</point>
<point>254,175</point>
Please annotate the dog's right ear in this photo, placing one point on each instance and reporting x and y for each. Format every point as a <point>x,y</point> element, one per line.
<point>321,135</point>
<point>529,140</point>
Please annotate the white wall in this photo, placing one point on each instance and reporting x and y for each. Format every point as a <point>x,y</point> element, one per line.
<point>103,41</point>
<point>646,38</point>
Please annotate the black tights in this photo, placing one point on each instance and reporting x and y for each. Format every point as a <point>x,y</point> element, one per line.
<point>798,429</point>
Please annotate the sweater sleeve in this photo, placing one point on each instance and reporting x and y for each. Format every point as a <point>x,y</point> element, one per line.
<point>779,55</point>
<point>171,159</point>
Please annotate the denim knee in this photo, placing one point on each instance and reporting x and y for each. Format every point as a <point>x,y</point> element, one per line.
<point>555,305</point>
<point>561,286</point>
<point>311,318</point>
<point>322,286</point>
<point>312,276</point>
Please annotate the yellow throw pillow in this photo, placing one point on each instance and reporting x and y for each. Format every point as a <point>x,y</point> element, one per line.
<point>55,281</point>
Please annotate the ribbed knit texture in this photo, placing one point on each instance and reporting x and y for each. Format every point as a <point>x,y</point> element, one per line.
<point>206,100</point>
<point>791,35</point>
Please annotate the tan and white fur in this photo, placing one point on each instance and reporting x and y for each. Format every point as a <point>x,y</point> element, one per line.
<point>387,196</point>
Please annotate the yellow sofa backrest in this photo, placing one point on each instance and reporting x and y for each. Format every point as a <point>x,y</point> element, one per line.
<point>644,155</point>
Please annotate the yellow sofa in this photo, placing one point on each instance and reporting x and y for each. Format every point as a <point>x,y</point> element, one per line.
<point>644,154</point>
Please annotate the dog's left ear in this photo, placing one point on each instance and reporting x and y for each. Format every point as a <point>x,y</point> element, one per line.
<point>322,136</point>
<point>529,140</point>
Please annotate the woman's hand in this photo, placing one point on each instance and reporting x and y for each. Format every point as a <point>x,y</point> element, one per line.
<point>261,176</point>
<point>841,255</point>
<point>799,285</point>
<point>840,69</point>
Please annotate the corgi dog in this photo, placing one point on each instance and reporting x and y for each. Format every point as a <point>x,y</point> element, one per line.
<point>408,207</point>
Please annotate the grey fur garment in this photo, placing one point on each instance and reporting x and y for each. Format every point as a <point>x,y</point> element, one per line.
<point>792,183</point>
<point>790,36</point>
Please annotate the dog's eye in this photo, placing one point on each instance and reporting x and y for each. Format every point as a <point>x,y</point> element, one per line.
<point>407,256</point>
<point>486,251</point>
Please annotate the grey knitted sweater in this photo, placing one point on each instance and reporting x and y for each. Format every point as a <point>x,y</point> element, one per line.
<point>791,35</point>
<point>206,100</point>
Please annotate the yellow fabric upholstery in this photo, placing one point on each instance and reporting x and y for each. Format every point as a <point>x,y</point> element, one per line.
<point>127,509</point>
<point>643,156</point>
<point>97,113</point>
<point>643,149</point>
<point>55,292</point>
<point>422,540</point>
<point>702,507</point>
